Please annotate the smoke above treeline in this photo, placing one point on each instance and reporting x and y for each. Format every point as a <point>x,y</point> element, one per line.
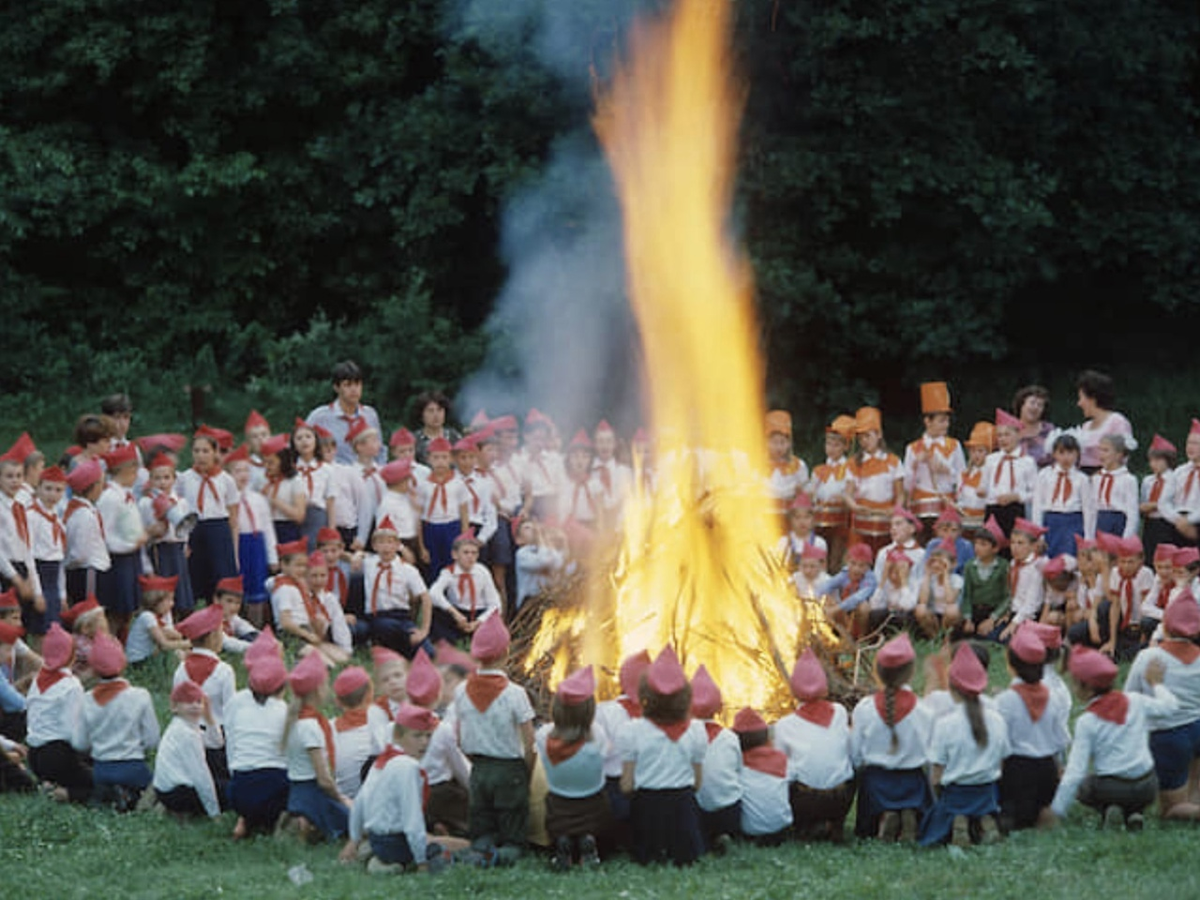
<point>561,335</point>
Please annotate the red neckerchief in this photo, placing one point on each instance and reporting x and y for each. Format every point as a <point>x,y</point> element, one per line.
<point>1157,489</point>
<point>713,729</point>
<point>206,481</point>
<point>104,692</point>
<point>1012,477</point>
<point>386,705</point>
<point>466,585</point>
<point>559,751</point>
<point>482,690</point>
<point>272,486</point>
<point>474,494</point>
<point>906,702</point>
<point>249,515</point>
<point>1126,591</point>
<point>1183,650</point>
<point>383,567</point>
<point>59,533</point>
<point>819,712</point>
<point>77,504</point>
<point>1164,595</point>
<point>312,607</point>
<point>309,712</point>
<point>337,583</point>
<point>351,718</point>
<point>307,471</point>
<point>673,730</point>
<point>1111,707</point>
<point>1034,696</point>
<point>1106,485</point>
<point>199,666</point>
<point>390,752</point>
<point>1014,574</point>
<point>851,588</point>
<point>48,678</point>
<point>21,521</point>
<point>632,708</point>
<point>1062,487</point>
<point>439,483</point>
<point>767,760</point>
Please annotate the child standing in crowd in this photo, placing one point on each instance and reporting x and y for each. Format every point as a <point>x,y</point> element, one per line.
<point>970,496</point>
<point>876,481</point>
<point>1183,504</point>
<point>258,552</point>
<point>123,533</point>
<point>443,501</point>
<point>616,478</point>
<point>212,493</point>
<point>48,542</point>
<point>787,472</point>
<point>1062,500</point>
<point>1025,583</point>
<point>167,519</point>
<point>1008,475</point>
<point>497,460</point>
<point>399,504</point>
<point>282,489</point>
<point>934,463</point>
<point>1157,488</point>
<point>1114,491</point>
<point>366,443</point>
<point>829,487</point>
<point>316,482</point>
<point>87,553</point>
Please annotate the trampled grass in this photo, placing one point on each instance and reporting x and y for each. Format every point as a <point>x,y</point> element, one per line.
<point>53,851</point>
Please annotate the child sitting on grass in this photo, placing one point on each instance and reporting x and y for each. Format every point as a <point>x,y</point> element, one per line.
<point>720,794</point>
<point>153,629</point>
<point>352,736</point>
<point>182,780</point>
<point>321,810</point>
<point>766,810</point>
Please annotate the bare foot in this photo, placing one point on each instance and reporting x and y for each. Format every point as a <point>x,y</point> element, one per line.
<point>239,830</point>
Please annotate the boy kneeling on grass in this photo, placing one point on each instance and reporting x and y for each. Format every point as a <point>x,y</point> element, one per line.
<point>389,811</point>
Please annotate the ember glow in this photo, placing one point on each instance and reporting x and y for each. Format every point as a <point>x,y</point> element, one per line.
<point>696,567</point>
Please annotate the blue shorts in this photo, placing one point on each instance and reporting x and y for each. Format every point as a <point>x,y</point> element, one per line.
<point>1173,750</point>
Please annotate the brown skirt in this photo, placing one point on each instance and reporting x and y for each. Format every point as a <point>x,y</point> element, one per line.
<point>448,805</point>
<point>577,816</point>
<point>811,807</point>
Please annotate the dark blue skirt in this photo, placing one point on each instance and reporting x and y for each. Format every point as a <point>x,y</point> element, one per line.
<point>132,773</point>
<point>49,573</point>
<point>881,790</point>
<point>1111,522</point>
<point>80,583</point>
<point>170,561</point>
<point>971,800</point>
<point>665,825</point>
<point>258,796</point>
<point>439,539</point>
<point>502,549</point>
<point>1173,750</point>
<point>252,559</point>
<point>286,531</point>
<point>1061,529</point>
<point>117,589</point>
<point>212,556</point>
<point>305,798</point>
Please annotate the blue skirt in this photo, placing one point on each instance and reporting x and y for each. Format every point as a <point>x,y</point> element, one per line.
<point>212,556</point>
<point>971,800</point>
<point>305,798</point>
<point>117,589</point>
<point>1173,750</point>
<point>502,548</point>
<point>132,773</point>
<point>1111,522</point>
<point>1061,529</point>
<point>81,583</point>
<point>881,790</point>
<point>258,796</point>
<point>50,575</point>
<point>252,559</point>
<point>286,531</point>
<point>170,561</point>
<point>665,826</point>
<point>439,539</point>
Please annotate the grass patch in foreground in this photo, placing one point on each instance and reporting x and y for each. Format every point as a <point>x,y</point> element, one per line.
<point>58,851</point>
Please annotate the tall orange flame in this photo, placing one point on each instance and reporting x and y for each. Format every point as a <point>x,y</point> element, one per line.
<point>696,566</point>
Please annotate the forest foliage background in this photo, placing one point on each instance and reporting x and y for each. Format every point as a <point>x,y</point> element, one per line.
<point>233,194</point>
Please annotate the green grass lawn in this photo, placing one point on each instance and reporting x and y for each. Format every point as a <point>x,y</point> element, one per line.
<point>49,850</point>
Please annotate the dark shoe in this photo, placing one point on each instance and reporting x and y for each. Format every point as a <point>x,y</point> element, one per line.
<point>589,854</point>
<point>561,861</point>
<point>722,845</point>
<point>1135,822</point>
<point>889,826</point>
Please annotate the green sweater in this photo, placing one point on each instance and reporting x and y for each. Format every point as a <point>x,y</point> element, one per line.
<point>985,593</point>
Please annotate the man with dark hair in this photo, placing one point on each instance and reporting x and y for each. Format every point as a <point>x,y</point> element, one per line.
<point>347,408</point>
